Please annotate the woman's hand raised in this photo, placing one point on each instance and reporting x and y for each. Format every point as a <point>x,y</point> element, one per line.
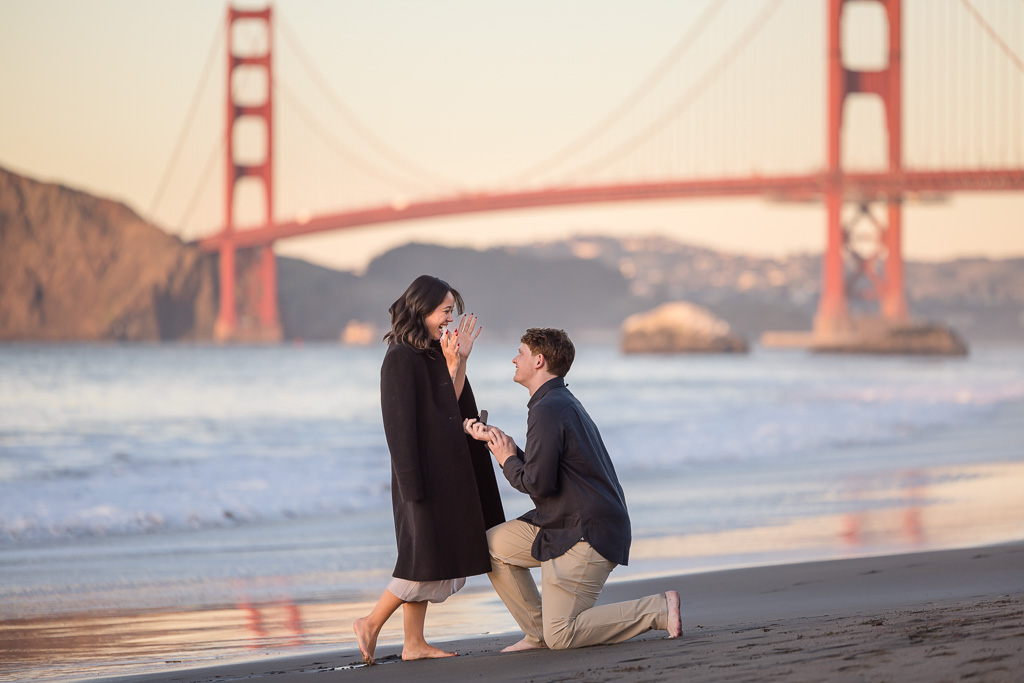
<point>467,335</point>
<point>450,349</point>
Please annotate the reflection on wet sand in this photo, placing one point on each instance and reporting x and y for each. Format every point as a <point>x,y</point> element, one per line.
<point>930,508</point>
<point>96,645</point>
<point>941,507</point>
<point>901,517</point>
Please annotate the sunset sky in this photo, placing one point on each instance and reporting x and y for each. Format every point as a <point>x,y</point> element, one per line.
<point>104,96</point>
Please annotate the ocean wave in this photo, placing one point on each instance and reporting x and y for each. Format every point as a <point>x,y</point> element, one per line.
<point>118,467</point>
<point>188,495</point>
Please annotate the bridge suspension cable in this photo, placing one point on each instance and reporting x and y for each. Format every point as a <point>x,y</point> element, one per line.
<point>334,142</point>
<point>965,81</point>
<point>204,78</point>
<point>630,102</point>
<point>691,95</point>
<point>202,182</point>
<point>218,146</point>
<point>417,172</point>
<point>973,11</point>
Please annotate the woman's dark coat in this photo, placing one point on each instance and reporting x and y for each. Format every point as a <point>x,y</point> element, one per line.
<point>443,489</point>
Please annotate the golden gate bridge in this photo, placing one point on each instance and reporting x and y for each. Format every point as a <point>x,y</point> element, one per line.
<point>863,258</point>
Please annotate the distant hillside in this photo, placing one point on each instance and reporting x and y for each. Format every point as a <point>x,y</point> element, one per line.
<point>516,291</point>
<point>982,298</point>
<point>509,292</point>
<point>77,267</point>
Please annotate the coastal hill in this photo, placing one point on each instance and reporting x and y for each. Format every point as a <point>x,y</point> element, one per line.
<point>510,291</point>
<point>78,267</point>
<point>981,298</point>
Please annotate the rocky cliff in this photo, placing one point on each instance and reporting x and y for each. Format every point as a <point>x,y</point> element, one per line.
<point>78,267</point>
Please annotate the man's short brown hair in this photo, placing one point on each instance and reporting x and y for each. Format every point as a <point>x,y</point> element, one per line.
<point>554,345</point>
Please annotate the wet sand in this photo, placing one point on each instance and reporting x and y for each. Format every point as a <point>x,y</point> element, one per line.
<point>934,616</point>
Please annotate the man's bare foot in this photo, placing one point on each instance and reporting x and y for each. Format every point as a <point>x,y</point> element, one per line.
<point>524,645</point>
<point>675,623</point>
<point>367,639</point>
<point>425,651</point>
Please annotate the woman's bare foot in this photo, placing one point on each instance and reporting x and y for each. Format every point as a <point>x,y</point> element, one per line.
<point>411,653</point>
<point>367,639</point>
<point>524,645</point>
<point>675,622</point>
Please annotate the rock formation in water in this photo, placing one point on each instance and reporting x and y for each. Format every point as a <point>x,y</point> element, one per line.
<point>679,327</point>
<point>921,339</point>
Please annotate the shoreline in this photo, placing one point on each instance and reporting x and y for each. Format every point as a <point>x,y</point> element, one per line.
<point>911,616</point>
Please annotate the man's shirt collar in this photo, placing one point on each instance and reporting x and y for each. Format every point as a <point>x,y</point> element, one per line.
<point>553,383</point>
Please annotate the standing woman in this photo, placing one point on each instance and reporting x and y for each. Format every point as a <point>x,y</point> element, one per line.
<point>443,489</point>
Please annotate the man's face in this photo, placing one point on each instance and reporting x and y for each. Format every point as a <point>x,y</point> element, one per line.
<point>526,365</point>
<point>438,321</point>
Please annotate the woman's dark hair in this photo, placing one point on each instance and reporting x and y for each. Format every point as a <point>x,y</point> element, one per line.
<point>420,299</point>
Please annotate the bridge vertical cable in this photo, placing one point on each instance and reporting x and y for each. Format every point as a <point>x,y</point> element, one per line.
<point>413,170</point>
<point>630,102</point>
<point>1012,59</point>
<point>707,89</point>
<point>964,84</point>
<point>343,161</point>
<point>186,128</point>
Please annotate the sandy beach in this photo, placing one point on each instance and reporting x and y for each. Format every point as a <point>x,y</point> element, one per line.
<point>936,616</point>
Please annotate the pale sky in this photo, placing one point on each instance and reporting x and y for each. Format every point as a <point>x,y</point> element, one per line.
<point>97,95</point>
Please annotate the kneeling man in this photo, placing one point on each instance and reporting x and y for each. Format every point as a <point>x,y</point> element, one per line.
<point>579,530</point>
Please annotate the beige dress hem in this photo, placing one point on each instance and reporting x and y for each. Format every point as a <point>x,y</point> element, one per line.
<point>424,591</point>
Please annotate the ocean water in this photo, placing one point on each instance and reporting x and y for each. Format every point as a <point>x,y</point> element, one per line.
<point>157,476</point>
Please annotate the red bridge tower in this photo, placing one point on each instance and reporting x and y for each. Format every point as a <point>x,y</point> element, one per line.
<point>266,326</point>
<point>853,261</point>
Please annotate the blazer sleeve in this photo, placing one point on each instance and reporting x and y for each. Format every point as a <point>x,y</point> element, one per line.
<point>398,407</point>
<point>535,472</point>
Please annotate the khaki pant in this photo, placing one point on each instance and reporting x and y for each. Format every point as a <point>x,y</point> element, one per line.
<point>563,614</point>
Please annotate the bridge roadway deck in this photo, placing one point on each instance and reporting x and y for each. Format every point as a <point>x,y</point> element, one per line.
<point>811,187</point>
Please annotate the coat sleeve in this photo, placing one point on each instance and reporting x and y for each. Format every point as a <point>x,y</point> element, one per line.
<point>535,472</point>
<point>483,471</point>
<point>398,407</point>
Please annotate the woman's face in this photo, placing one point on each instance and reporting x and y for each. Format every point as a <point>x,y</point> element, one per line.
<point>437,321</point>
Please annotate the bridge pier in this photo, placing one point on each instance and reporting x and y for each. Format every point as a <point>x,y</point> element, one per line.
<point>833,319</point>
<point>894,298</point>
<point>227,316</point>
<point>248,311</point>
